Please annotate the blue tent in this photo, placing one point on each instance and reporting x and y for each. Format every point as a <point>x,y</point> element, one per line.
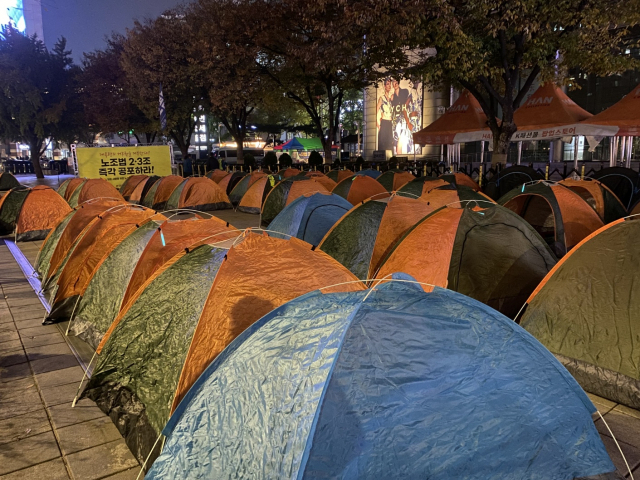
<point>309,218</point>
<point>394,383</point>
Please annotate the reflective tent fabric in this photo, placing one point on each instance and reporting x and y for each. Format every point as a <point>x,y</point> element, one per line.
<point>396,383</point>
<point>393,180</point>
<point>587,312</point>
<point>130,184</point>
<point>339,175</point>
<point>198,193</point>
<point>160,192</point>
<point>102,297</point>
<point>259,274</point>
<point>137,371</point>
<point>561,216</point>
<point>309,217</point>
<point>102,236</point>
<point>243,185</point>
<point>31,213</point>
<point>509,178</point>
<point>172,237</point>
<point>624,182</point>
<point>461,179</point>
<point>8,181</point>
<point>488,253</point>
<point>93,188</point>
<point>363,236</point>
<point>56,246</point>
<point>599,197</point>
<point>253,199</point>
<point>358,188</point>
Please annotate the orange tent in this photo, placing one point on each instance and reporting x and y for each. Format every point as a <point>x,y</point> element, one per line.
<point>198,193</point>
<point>99,239</point>
<point>253,199</point>
<point>288,172</point>
<point>243,185</point>
<point>93,188</point>
<point>358,188</point>
<point>461,179</point>
<point>440,195</point>
<point>130,185</point>
<point>464,121</point>
<point>487,253</point>
<point>160,192</point>
<point>241,294</point>
<point>557,213</point>
<point>550,114</point>
<point>30,213</point>
<point>172,237</point>
<point>142,189</point>
<point>322,178</point>
<point>299,189</point>
<point>393,180</point>
<point>68,187</point>
<point>82,216</point>
<point>606,204</point>
<point>217,175</point>
<point>625,115</point>
<point>339,175</point>
<point>365,234</point>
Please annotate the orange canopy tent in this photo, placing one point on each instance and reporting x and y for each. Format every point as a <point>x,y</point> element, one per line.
<point>463,122</point>
<point>550,114</point>
<point>625,115</point>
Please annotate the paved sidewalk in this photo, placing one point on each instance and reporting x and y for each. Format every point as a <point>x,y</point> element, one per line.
<point>41,436</point>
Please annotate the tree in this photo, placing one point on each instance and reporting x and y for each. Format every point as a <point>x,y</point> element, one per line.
<point>285,160</point>
<point>315,57</point>
<point>224,57</point>
<point>315,159</point>
<point>37,92</point>
<point>270,161</point>
<point>157,52</point>
<point>106,96</point>
<point>497,49</point>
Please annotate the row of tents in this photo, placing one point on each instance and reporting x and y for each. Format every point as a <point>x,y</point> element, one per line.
<point>264,354</point>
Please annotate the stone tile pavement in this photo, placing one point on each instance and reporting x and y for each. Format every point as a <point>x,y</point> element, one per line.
<point>41,436</point>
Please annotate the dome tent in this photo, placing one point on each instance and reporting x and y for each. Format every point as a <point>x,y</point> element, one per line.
<point>418,186</point>
<point>459,178</point>
<point>393,180</point>
<point>557,213</point>
<point>198,193</point>
<point>587,312</point>
<point>67,187</point>
<point>309,217</point>
<point>57,244</point>
<point>130,184</point>
<point>624,182</point>
<point>355,403</point>
<point>89,251</point>
<point>229,182</point>
<point>93,188</point>
<point>255,196</point>
<point>103,296</point>
<point>483,250</point>
<point>30,213</point>
<point>141,190</point>
<point>160,192</point>
<point>8,181</point>
<point>363,236</point>
<point>217,283</point>
<point>508,179</point>
<point>358,188</point>
<point>285,192</point>
<point>599,197</point>
<point>339,175</point>
<point>322,178</point>
<point>216,175</point>
<point>243,185</point>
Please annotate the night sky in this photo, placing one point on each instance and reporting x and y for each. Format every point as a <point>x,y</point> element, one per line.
<point>85,23</point>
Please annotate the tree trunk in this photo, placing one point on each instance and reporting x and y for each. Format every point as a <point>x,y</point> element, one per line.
<point>328,158</point>
<point>501,141</point>
<point>239,149</point>
<point>34,148</point>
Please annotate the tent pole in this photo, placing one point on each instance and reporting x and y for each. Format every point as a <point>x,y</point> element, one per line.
<point>629,150</point>
<point>482,152</point>
<point>611,151</point>
<point>575,154</point>
<point>623,149</point>
<point>519,153</point>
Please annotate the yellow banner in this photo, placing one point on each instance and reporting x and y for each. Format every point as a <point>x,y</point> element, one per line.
<point>116,164</point>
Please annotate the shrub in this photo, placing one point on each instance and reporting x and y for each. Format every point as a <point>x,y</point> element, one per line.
<point>315,160</point>
<point>249,161</point>
<point>270,161</point>
<point>285,160</point>
<point>359,162</point>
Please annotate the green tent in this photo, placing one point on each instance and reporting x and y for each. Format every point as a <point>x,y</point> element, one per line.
<point>587,312</point>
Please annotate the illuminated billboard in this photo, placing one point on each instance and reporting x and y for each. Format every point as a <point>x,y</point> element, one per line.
<point>398,115</point>
<point>12,11</point>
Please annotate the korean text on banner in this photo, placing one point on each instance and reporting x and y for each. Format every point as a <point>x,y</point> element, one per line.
<point>116,164</point>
